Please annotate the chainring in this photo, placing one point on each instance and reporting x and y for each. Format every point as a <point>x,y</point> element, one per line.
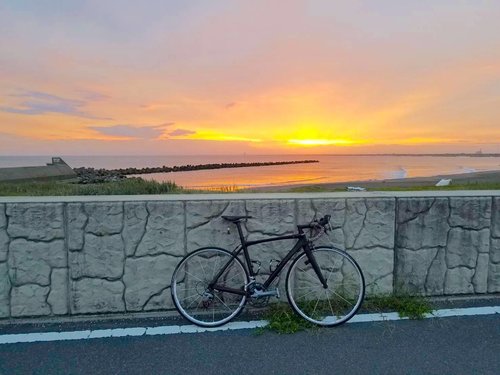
<point>259,301</point>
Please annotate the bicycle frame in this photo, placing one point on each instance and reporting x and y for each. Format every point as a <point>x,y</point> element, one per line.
<point>302,243</point>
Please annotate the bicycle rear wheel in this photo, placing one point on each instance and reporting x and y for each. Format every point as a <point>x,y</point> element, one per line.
<point>193,297</point>
<point>339,301</point>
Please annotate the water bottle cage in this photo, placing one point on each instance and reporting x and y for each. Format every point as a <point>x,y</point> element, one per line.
<point>259,264</point>
<point>271,267</point>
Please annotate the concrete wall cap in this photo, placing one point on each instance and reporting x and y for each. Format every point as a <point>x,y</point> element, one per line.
<point>252,196</point>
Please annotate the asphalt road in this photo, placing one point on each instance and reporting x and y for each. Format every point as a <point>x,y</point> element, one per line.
<point>460,345</point>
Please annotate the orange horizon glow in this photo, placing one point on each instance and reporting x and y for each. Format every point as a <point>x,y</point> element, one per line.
<point>320,142</point>
<point>303,81</point>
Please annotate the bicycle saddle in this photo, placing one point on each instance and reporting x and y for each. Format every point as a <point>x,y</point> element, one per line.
<point>235,219</point>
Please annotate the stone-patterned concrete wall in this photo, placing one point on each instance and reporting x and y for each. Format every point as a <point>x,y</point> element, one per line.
<point>363,227</point>
<point>37,262</point>
<point>446,246</point>
<point>122,255</point>
<point>494,259</point>
<point>106,257</point>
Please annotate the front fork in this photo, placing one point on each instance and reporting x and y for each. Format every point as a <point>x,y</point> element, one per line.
<point>314,264</point>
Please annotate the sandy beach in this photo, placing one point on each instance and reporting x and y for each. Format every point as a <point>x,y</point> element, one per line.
<point>457,179</point>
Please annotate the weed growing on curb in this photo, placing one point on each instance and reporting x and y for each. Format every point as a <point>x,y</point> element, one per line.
<point>412,307</point>
<point>283,320</point>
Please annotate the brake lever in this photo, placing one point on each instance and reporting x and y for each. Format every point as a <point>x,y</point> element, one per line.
<point>325,223</point>
<point>328,227</point>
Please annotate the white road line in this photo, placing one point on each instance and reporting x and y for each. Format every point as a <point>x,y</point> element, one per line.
<point>176,329</point>
<point>489,310</point>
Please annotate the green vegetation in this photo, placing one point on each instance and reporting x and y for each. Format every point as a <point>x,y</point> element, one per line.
<point>221,189</point>
<point>464,186</point>
<point>314,189</point>
<point>413,307</point>
<point>283,320</point>
<point>129,186</point>
<point>136,186</point>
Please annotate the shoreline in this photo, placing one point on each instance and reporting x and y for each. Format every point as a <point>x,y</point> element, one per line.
<point>87,175</point>
<point>457,179</point>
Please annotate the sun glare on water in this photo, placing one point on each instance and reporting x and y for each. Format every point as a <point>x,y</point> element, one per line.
<point>319,142</point>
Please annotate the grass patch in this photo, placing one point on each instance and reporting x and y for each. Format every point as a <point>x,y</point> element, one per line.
<point>466,186</point>
<point>219,189</point>
<point>129,186</point>
<point>137,185</point>
<point>458,186</point>
<point>413,307</point>
<point>313,189</point>
<point>283,320</point>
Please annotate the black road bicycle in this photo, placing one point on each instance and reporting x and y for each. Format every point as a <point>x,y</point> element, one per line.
<point>324,285</point>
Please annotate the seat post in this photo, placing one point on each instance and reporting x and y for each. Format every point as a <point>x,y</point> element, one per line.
<point>240,232</point>
<point>245,249</point>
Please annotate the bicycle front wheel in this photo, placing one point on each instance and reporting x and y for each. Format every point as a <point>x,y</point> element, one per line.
<point>329,306</point>
<point>192,295</point>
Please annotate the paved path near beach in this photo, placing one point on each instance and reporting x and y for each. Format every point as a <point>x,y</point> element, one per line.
<point>458,345</point>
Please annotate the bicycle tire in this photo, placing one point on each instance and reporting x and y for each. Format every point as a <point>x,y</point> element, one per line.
<point>192,296</point>
<point>345,292</point>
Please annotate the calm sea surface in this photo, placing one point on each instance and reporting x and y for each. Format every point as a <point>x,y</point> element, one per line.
<point>331,168</point>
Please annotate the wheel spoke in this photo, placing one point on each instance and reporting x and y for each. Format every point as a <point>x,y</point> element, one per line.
<point>212,309</point>
<point>187,273</point>
<point>216,264</point>
<point>202,268</point>
<point>191,296</point>
<point>330,274</point>
<point>315,306</point>
<point>303,287</point>
<point>329,303</point>
<point>232,278</point>
<point>187,307</point>
<point>340,299</point>
<point>216,296</point>
<point>349,302</point>
<point>307,274</point>
<point>311,292</point>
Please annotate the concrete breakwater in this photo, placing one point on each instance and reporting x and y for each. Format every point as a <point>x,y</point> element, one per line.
<point>62,256</point>
<point>57,169</point>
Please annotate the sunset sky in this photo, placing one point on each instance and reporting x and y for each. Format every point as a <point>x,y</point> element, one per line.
<point>96,77</point>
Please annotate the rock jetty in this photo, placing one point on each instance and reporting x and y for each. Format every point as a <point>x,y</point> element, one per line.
<point>96,176</point>
<point>92,175</point>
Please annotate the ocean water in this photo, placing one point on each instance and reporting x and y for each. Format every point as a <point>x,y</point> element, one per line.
<point>331,168</point>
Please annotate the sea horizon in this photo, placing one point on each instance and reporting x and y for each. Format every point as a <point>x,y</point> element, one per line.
<point>331,168</point>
